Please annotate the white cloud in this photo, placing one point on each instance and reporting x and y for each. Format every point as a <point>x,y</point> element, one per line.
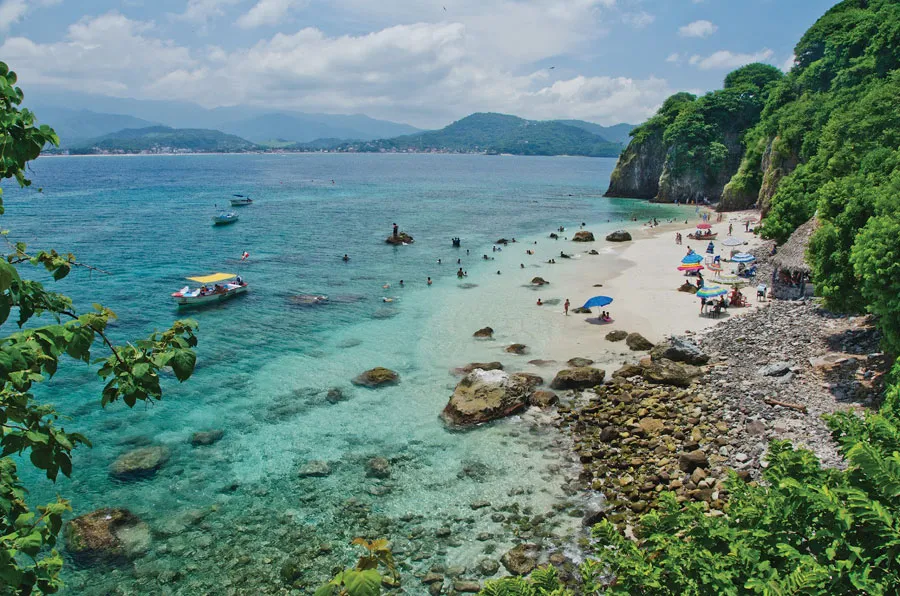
<point>13,11</point>
<point>638,20</point>
<point>724,59</point>
<point>201,11</point>
<point>674,58</point>
<point>700,28</point>
<point>789,63</point>
<point>265,12</point>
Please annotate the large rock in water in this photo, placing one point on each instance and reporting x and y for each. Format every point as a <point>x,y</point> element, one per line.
<point>142,462</point>
<point>482,396</point>
<point>472,366</point>
<point>638,342</point>
<point>522,559</point>
<point>484,332</point>
<point>377,377</point>
<point>401,238</point>
<point>583,236</point>
<point>583,377</point>
<point>666,372</point>
<point>619,236</point>
<point>207,437</point>
<point>106,535</point>
<point>679,350</point>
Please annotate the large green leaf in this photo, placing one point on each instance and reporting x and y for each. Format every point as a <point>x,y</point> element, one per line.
<point>182,363</point>
<point>363,583</point>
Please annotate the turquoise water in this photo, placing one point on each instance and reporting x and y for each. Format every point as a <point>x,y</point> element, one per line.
<point>229,517</point>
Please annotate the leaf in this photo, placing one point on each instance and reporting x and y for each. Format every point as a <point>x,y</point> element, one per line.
<point>182,363</point>
<point>363,583</point>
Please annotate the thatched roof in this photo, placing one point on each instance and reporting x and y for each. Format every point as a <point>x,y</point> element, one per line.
<point>792,254</point>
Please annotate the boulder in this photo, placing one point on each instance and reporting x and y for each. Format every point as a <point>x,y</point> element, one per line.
<point>378,467</point>
<point>142,462</point>
<point>679,350</point>
<point>617,335</point>
<point>638,342</point>
<point>593,252</point>
<point>401,238</point>
<point>539,281</point>
<point>484,332</point>
<point>517,349</point>
<point>619,236</point>
<point>543,399</point>
<point>502,241</point>
<point>581,311</point>
<point>315,469</point>
<point>377,377</point>
<point>776,369</point>
<point>629,370</point>
<point>106,535</point>
<point>691,460</point>
<point>530,379</point>
<point>482,365</point>
<point>666,372</point>
<point>688,287</point>
<point>334,395</point>
<point>583,377</point>
<point>207,437</point>
<point>579,362</point>
<point>482,396</point>
<point>583,236</point>
<point>521,559</point>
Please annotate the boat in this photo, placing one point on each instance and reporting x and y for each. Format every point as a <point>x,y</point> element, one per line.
<point>212,289</point>
<point>224,218</point>
<point>241,201</point>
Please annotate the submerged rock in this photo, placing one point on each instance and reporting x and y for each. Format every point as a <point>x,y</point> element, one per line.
<point>521,559</point>
<point>142,462</point>
<point>106,535</point>
<point>583,377</point>
<point>617,335</point>
<point>480,365</point>
<point>378,467</point>
<point>482,396</point>
<point>638,342</point>
<point>583,236</point>
<point>206,437</point>
<point>377,377</point>
<point>519,349</point>
<point>619,236</point>
<point>335,395</point>
<point>315,469</point>
<point>484,332</point>
<point>543,399</point>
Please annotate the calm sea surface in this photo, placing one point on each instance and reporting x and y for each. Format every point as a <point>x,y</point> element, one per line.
<point>235,517</point>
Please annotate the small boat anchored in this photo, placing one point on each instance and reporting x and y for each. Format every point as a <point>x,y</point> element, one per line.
<point>224,218</point>
<point>211,290</point>
<point>241,201</point>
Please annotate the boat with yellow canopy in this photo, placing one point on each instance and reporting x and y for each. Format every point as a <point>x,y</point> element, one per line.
<point>214,288</point>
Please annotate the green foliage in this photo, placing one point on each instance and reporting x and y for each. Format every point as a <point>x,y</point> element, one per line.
<point>29,563</point>
<point>753,76</point>
<point>876,263</point>
<point>156,138</point>
<point>543,581</point>
<point>365,579</point>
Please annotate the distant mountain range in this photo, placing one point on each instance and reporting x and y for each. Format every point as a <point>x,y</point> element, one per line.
<point>162,139</point>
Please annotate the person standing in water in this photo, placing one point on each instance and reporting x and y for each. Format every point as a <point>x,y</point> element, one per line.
<point>566,307</point>
<point>396,230</point>
<point>429,281</point>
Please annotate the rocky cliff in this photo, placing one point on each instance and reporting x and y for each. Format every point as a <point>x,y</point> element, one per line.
<point>757,180</point>
<point>637,172</point>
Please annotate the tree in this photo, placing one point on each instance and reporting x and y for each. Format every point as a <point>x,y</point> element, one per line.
<point>56,330</point>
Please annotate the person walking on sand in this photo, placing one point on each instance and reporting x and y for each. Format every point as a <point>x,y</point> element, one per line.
<point>730,229</point>
<point>566,307</point>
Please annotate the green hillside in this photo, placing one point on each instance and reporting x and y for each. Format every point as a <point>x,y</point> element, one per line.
<point>162,139</point>
<point>498,133</point>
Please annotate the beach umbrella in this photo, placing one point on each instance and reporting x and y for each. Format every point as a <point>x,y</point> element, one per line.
<point>598,301</point>
<point>690,267</point>
<point>711,291</point>
<point>743,257</point>
<point>692,258</point>
<point>731,280</point>
<point>732,241</point>
<point>749,219</point>
<point>704,226</point>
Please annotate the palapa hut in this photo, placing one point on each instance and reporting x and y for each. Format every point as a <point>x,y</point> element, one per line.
<point>791,278</point>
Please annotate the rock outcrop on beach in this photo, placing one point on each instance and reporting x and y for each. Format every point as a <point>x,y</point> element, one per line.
<point>583,377</point>
<point>583,236</point>
<point>377,377</point>
<point>484,333</point>
<point>679,349</point>
<point>482,396</point>
<point>106,536</point>
<point>521,559</point>
<point>578,362</point>
<point>139,463</point>
<point>399,239</point>
<point>618,236</point>
<point>616,335</point>
<point>638,342</point>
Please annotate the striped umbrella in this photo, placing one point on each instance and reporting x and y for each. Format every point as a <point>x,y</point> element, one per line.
<point>732,241</point>
<point>711,291</point>
<point>743,257</point>
<point>692,258</point>
<point>690,267</point>
<point>731,279</point>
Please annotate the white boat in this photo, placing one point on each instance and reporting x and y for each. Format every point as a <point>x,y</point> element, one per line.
<point>224,218</point>
<point>214,288</point>
<point>241,201</point>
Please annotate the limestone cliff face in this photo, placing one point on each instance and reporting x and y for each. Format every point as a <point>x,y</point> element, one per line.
<point>693,182</point>
<point>637,172</point>
<point>759,175</point>
<point>776,164</point>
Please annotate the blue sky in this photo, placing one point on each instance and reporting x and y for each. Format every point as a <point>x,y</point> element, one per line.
<point>424,62</point>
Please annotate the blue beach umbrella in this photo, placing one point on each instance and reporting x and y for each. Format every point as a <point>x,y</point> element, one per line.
<point>743,257</point>
<point>598,301</point>
<point>692,258</point>
<point>711,291</point>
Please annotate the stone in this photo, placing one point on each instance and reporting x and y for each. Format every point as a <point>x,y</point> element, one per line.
<point>377,377</point>
<point>139,463</point>
<point>776,369</point>
<point>651,426</point>
<point>518,349</point>
<point>691,460</point>
<point>666,372</point>
<point>679,350</point>
<point>594,511</point>
<point>617,335</point>
<point>488,567</point>
<point>539,281</point>
<point>472,366</point>
<point>579,362</point>
<point>688,287</point>
<point>206,437</point>
<point>467,587</point>
<point>482,396</point>
<point>581,311</point>
<point>521,559</point>
<point>629,370</point>
<point>593,252</point>
<point>315,469</point>
<point>401,238</point>
<point>619,236</point>
<point>335,395</point>
<point>484,332</point>
<point>530,379</point>
<point>431,578</point>
<point>583,377</point>
<point>378,467</point>
<point>106,535</point>
<point>583,236</point>
<point>638,342</point>
<point>543,399</point>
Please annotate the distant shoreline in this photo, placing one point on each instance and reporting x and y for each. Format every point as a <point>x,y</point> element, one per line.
<point>277,152</point>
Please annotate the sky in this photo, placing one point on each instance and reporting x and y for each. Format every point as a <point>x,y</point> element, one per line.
<point>423,62</point>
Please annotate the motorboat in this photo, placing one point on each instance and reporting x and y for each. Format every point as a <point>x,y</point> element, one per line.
<point>224,218</point>
<point>214,287</point>
<point>241,201</point>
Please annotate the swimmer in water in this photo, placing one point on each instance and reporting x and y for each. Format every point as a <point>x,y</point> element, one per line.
<point>429,281</point>
<point>346,258</point>
<point>539,303</point>
<point>387,299</point>
<point>401,283</point>
<point>386,286</point>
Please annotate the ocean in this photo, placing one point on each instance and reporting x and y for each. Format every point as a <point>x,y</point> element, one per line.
<point>235,516</point>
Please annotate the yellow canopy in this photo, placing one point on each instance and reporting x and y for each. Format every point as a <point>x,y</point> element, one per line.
<point>211,279</point>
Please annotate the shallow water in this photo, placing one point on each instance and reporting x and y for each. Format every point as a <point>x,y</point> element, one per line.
<point>227,518</point>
